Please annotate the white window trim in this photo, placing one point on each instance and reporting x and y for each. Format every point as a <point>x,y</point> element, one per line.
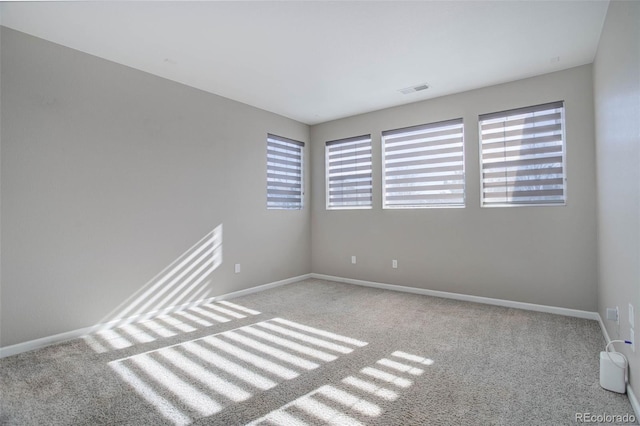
<point>564,164</point>
<point>426,206</point>
<point>302,173</point>
<point>326,177</point>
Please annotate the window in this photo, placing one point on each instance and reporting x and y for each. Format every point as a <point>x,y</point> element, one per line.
<point>284,173</point>
<point>424,166</point>
<point>522,156</point>
<point>348,173</point>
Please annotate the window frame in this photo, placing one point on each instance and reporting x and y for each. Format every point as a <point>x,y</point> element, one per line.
<point>564,159</point>
<point>363,138</point>
<point>426,205</point>
<point>282,139</point>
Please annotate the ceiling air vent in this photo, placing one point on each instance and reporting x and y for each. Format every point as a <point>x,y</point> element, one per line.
<point>414,89</point>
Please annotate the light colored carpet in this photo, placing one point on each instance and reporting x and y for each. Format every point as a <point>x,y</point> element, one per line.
<point>319,352</point>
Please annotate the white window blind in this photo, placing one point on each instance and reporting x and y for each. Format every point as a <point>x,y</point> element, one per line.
<point>424,165</point>
<point>284,173</point>
<point>348,173</point>
<point>523,156</point>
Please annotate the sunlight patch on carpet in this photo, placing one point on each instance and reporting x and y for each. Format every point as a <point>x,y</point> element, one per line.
<point>201,377</point>
<point>352,401</point>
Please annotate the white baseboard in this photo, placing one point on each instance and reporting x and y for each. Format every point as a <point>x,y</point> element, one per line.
<point>465,297</point>
<point>605,333</point>
<point>43,341</point>
<point>69,335</point>
<point>74,334</point>
<point>489,301</point>
<point>632,396</point>
<point>259,288</point>
<point>634,402</point>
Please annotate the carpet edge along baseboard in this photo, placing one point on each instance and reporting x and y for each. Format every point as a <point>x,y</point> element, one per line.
<point>73,334</point>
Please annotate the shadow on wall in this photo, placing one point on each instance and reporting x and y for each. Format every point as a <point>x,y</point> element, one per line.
<point>184,281</point>
<point>206,376</point>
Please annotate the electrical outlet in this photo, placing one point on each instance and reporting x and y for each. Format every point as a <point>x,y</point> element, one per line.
<point>612,314</point>
<point>237,268</point>
<point>633,340</point>
<point>394,264</point>
<point>632,319</point>
<point>353,260</point>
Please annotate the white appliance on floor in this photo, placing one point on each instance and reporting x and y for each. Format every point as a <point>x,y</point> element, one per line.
<point>613,369</point>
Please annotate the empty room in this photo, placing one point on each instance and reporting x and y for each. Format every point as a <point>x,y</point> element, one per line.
<point>315,212</point>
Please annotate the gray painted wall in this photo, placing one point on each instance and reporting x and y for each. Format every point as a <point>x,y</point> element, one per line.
<point>544,255</point>
<point>0,177</point>
<point>617,113</point>
<point>110,174</point>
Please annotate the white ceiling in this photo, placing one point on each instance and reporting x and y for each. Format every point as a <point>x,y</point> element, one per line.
<point>318,61</point>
